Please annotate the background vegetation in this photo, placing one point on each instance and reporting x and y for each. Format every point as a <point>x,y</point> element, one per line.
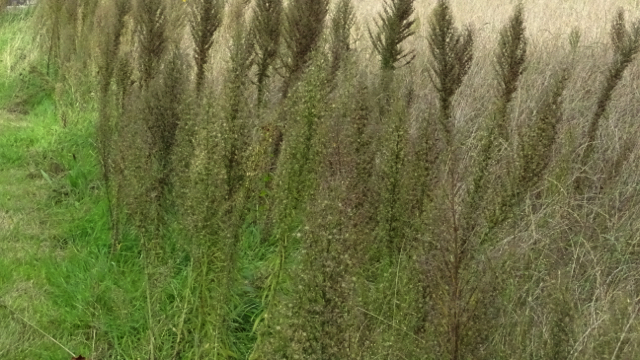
<point>311,179</point>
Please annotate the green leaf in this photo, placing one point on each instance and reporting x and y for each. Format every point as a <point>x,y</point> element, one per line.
<point>46,177</point>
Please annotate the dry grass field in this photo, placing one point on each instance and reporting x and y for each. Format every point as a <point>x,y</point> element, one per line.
<point>545,19</point>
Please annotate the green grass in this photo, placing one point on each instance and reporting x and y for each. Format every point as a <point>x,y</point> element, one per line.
<point>51,221</point>
<point>56,269</point>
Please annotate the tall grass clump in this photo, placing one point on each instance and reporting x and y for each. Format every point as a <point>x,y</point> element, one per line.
<point>295,184</point>
<point>151,31</point>
<point>393,201</point>
<point>361,143</point>
<point>54,23</point>
<point>451,57</point>
<point>164,105</point>
<point>458,232</point>
<point>510,60</point>
<point>341,239</point>
<point>626,43</point>
<point>146,116</point>
<point>204,22</point>
<point>145,110</point>
<point>342,21</point>
<point>305,111</point>
<point>107,111</point>
<point>235,140</point>
<point>301,31</point>
<point>534,156</point>
<point>67,37</point>
<point>394,26</point>
<point>534,153</point>
<point>236,103</point>
<point>392,300</point>
<point>266,33</point>
<point>502,202</point>
<point>204,214</point>
<point>214,199</point>
<point>304,23</point>
<point>452,53</point>
<point>146,143</point>
<point>316,318</point>
<point>114,23</point>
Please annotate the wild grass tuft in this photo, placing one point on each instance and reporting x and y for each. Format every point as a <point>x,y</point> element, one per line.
<point>304,23</point>
<point>205,20</point>
<point>342,21</point>
<point>151,31</point>
<point>105,127</point>
<point>164,111</point>
<point>510,59</point>
<point>295,184</point>
<point>390,233</point>
<point>626,44</point>
<point>266,33</point>
<point>452,54</point>
<point>236,128</point>
<point>534,153</point>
